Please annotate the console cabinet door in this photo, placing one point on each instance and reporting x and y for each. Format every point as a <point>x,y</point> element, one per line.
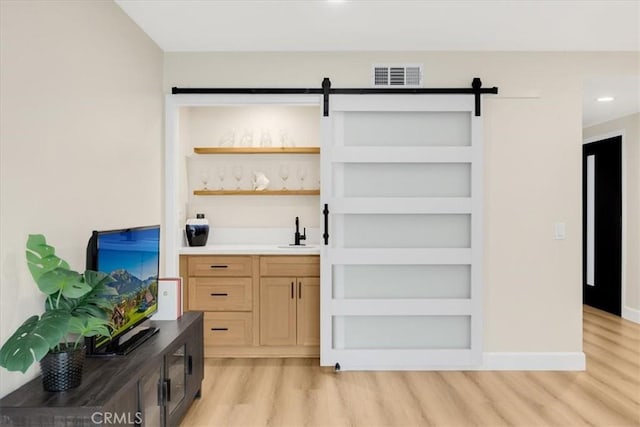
<point>195,360</point>
<point>151,409</point>
<point>176,378</point>
<point>277,311</point>
<point>123,411</point>
<point>308,311</point>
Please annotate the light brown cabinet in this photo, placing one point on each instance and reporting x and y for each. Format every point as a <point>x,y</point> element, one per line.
<point>225,289</point>
<point>308,312</point>
<point>289,301</point>
<point>290,311</point>
<point>255,306</point>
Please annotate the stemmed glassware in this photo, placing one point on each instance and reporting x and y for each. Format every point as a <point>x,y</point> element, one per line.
<point>228,138</point>
<point>247,138</point>
<point>285,139</point>
<point>204,177</point>
<point>221,174</point>
<point>284,174</point>
<point>302,174</point>
<point>265,138</point>
<point>237,173</point>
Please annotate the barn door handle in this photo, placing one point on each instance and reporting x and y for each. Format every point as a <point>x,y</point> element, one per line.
<point>325,235</point>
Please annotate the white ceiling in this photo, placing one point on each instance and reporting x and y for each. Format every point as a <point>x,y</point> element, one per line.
<point>625,90</point>
<point>401,25</point>
<point>321,25</point>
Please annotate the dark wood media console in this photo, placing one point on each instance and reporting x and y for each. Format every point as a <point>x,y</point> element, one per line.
<point>152,386</point>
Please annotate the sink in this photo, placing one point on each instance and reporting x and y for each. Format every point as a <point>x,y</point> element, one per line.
<point>297,247</point>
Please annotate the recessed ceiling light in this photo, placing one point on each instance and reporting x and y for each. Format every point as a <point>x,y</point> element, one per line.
<point>605,99</point>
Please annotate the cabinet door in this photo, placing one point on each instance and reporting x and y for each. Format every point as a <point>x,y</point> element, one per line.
<point>184,369</point>
<point>123,409</point>
<point>175,377</point>
<point>308,311</point>
<point>195,360</point>
<point>152,411</point>
<point>277,311</point>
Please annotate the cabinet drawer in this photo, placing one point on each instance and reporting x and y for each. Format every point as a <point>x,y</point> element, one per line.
<point>223,329</point>
<point>220,294</point>
<point>297,266</point>
<point>219,266</point>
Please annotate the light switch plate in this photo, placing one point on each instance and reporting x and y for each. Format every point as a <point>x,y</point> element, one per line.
<point>559,231</point>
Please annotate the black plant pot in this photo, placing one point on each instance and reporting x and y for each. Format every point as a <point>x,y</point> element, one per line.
<point>62,370</point>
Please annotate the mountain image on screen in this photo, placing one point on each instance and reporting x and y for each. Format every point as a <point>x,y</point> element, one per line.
<point>135,297</point>
<point>126,283</point>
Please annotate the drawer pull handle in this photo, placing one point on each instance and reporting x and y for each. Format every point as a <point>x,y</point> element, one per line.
<point>219,266</point>
<point>219,329</point>
<point>299,290</point>
<point>291,290</point>
<point>219,294</point>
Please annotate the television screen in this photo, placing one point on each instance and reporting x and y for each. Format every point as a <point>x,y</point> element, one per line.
<point>131,257</point>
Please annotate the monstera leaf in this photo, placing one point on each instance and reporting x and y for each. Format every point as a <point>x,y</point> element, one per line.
<point>69,283</point>
<point>77,304</point>
<point>33,340</point>
<point>95,302</point>
<point>41,257</point>
<point>87,326</point>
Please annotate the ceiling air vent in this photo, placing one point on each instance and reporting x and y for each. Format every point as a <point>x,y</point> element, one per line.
<point>397,75</point>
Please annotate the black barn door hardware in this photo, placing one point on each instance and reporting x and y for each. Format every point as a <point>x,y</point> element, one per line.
<point>325,235</point>
<point>326,88</point>
<point>476,89</point>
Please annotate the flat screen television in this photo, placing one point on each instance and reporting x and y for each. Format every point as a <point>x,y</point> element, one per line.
<point>131,257</point>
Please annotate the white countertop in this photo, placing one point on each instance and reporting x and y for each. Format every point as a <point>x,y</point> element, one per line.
<point>245,249</point>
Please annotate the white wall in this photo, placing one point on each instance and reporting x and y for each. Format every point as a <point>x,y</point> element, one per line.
<point>630,127</point>
<point>80,138</point>
<point>533,137</point>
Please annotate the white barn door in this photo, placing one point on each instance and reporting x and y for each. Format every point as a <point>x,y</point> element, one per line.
<point>401,271</point>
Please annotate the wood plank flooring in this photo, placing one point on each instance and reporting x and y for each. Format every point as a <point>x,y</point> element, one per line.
<point>298,392</point>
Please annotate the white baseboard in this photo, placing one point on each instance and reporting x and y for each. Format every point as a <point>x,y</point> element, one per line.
<point>499,361</point>
<point>551,361</point>
<point>631,314</point>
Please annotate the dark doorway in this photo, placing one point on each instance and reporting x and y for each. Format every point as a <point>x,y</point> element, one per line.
<point>602,224</point>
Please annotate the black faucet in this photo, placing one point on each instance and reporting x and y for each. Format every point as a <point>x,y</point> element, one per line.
<point>297,236</point>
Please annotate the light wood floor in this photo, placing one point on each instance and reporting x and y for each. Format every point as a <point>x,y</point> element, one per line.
<point>297,392</point>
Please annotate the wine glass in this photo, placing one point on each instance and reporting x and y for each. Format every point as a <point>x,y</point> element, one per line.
<point>247,138</point>
<point>302,174</point>
<point>237,174</point>
<point>265,138</point>
<point>285,139</point>
<point>204,177</point>
<point>221,174</point>
<point>228,138</point>
<point>284,174</point>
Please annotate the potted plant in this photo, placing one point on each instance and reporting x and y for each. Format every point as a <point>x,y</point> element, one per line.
<point>76,306</point>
